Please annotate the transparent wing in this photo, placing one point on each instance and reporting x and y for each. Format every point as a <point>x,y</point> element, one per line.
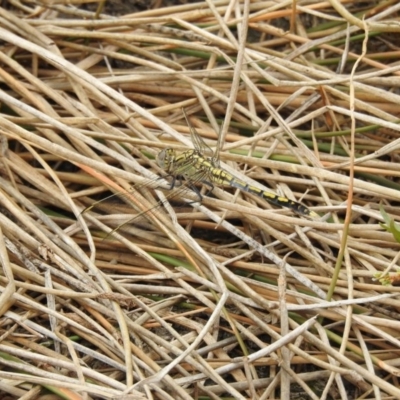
<point>186,187</point>
<point>191,167</point>
<point>185,169</point>
<point>200,145</point>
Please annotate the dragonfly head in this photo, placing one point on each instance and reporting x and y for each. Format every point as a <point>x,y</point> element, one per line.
<point>165,158</point>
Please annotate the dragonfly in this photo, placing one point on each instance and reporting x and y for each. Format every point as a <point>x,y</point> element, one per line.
<point>202,164</point>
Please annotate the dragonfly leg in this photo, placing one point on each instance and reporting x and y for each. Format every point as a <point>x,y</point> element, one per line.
<point>197,192</point>
<point>177,181</point>
<point>210,187</point>
<point>171,183</point>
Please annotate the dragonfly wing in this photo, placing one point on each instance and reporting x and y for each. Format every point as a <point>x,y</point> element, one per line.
<point>199,144</point>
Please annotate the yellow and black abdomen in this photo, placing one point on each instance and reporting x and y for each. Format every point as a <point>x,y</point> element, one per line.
<point>221,177</point>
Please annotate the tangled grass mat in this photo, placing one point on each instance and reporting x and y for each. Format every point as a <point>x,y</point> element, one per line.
<point>114,297</point>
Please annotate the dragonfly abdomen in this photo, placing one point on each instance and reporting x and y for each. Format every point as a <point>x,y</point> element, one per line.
<point>222,177</point>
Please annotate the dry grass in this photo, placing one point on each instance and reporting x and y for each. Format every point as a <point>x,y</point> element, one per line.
<point>210,301</point>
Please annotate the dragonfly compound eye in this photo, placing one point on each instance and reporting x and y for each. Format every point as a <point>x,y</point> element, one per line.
<point>161,158</point>
<point>165,159</point>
